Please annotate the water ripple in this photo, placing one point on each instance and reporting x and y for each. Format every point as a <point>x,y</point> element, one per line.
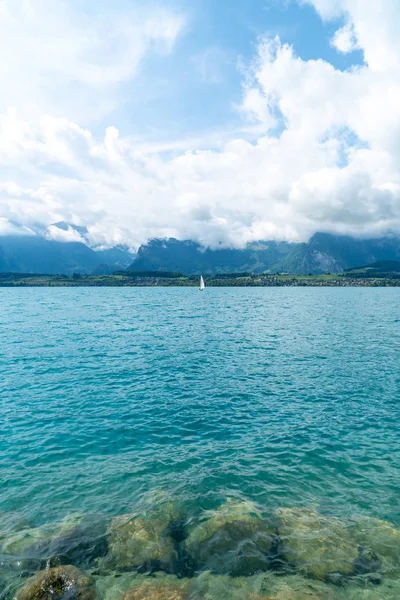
<point>285,396</point>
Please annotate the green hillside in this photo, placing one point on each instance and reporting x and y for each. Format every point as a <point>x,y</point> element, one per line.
<point>383,269</point>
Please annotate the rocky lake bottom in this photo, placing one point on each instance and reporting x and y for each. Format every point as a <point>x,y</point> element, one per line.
<point>162,551</point>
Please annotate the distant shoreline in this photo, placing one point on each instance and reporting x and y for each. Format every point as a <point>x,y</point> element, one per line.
<point>126,279</point>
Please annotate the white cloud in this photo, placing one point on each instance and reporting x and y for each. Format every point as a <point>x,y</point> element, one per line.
<point>63,235</point>
<point>256,109</point>
<point>334,166</point>
<point>328,9</point>
<point>345,39</point>
<point>69,63</point>
<point>375,26</point>
<point>9,228</point>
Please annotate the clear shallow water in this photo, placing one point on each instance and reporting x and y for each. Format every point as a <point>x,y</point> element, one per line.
<point>286,397</point>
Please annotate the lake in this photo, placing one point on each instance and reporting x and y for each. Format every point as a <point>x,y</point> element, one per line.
<point>288,398</point>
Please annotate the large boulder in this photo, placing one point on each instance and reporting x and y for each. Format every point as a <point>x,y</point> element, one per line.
<point>234,539</point>
<point>150,539</point>
<point>381,540</point>
<point>317,546</point>
<point>141,543</point>
<point>78,539</point>
<point>58,583</point>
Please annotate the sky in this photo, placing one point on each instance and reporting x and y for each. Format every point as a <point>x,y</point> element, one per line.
<point>220,121</point>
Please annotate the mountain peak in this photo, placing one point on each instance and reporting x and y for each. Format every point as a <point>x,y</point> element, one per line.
<point>66,226</point>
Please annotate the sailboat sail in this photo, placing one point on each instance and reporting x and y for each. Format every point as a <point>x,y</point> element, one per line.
<point>202,286</point>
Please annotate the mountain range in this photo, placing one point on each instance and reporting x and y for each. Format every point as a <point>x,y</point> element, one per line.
<point>36,254</point>
<point>323,253</point>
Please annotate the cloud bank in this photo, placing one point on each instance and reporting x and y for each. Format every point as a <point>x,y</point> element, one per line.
<point>326,156</point>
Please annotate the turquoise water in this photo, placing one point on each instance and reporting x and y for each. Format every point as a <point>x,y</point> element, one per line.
<point>286,397</point>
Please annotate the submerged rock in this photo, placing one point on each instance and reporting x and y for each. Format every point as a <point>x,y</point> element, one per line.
<point>319,547</point>
<point>20,543</point>
<point>162,504</point>
<point>58,583</point>
<point>139,543</point>
<point>151,539</point>
<point>159,590</point>
<point>381,540</point>
<point>208,586</point>
<point>77,540</point>
<point>389,590</point>
<point>233,540</point>
<point>368,566</point>
<point>81,540</point>
<point>114,585</point>
<point>294,587</point>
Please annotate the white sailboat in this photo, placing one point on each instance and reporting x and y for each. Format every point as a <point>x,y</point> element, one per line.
<point>202,286</point>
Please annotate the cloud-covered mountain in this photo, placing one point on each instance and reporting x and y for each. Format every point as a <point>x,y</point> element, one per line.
<point>324,253</point>
<point>321,254</point>
<point>36,254</point>
<point>189,257</point>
